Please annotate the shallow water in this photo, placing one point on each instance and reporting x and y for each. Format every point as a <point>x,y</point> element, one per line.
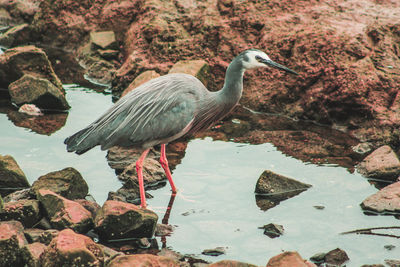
<point>215,205</point>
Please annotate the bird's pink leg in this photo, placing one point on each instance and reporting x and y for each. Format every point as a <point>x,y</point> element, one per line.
<point>164,164</point>
<point>139,164</point>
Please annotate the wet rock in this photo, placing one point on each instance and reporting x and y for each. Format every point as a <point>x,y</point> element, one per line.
<point>46,124</point>
<point>38,91</point>
<point>15,36</point>
<point>25,211</point>
<point>214,251</point>
<point>318,258</point>
<point>64,213</point>
<point>372,265</point>
<point>230,263</point>
<point>39,235</point>
<point>152,172</point>
<point>389,247</point>
<point>18,195</point>
<point>16,62</point>
<point>12,241</point>
<point>382,163</point>
<point>31,253</point>
<point>273,230</point>
<point>141,79</point>
<point>129,193</point>
<point>71,249</point>
<point>288,258</point>
<point>273,188</point>
<point>103,40</point>
<point>67,182</point>
<point>142,260</point>
<point>109,254</point>
<point>122,220</point>
<point>386,200</point>
<point>336,257</point>
<point>101,71</point>
<point>91,206</point>
<point>12,177</point>
<point>198,68</point>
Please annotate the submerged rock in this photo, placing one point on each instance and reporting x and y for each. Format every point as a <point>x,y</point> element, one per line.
<point>142,260</point>
<point>64,213</point>
<point>214,251</point>
<point>67,182</point>
<point>123,220</point>
<point>12,241</point>
<point>386,200</point>
<point>25,211</point>
<point>12,177</point>
<point>273,230</point>
<point>71,249</point>
<point>38,91</point>
<point>31,253</point>
<point>288,258</point>
<point>272,188</point>
<point>381,163</point>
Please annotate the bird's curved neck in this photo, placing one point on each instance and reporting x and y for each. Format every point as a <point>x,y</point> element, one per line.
<point>233,86</point>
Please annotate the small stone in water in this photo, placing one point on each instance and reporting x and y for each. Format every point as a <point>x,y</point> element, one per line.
<point>214,252</point>
<point>272,230</point>
<point>318,258</point>
<point>389,247</point>
<point>319,207</point>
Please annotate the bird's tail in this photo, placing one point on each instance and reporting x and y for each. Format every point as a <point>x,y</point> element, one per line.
<point>81,141</point>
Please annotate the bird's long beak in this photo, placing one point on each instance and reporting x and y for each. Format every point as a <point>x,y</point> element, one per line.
<point>273,64</point>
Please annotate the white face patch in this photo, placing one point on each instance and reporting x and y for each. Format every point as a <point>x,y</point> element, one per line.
<point>252,61</point>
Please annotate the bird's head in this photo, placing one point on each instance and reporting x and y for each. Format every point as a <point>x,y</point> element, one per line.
<point>254,58</point>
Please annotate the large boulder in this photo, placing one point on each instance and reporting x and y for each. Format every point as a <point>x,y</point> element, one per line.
<point>71,249</point>
<point>386,200</point>
<point>381,163</point>
<point>118,219</point>
<point>38,91</point>
<point>67,182</point>
<point>272,188</point>
<point>64,213</point>
<point>16,62</point>
<point>143,260</point>
<point>25,211</point>
<point>12,177</point>
<point>12,241</point>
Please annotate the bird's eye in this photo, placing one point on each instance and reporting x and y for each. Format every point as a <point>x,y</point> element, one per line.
<point>259,59</point>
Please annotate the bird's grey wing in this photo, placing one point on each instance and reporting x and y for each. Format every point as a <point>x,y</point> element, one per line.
<point>160,110</point>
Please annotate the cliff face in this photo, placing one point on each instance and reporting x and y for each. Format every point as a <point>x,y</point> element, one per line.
<point>347,52</point>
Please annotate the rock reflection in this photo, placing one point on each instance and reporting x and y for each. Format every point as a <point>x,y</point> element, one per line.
<point>46,124</point>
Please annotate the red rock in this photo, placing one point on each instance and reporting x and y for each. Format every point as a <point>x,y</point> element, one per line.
<point>118,219</point>
<point>104,40</point>
<point>31,253</point>
<point>385,200</point>
<point>71,249</point>
<point>289,258</point>
<point>64,213</point>
<point>382,163</point>
<point>12,240</point>
<point>38,91</point>
<point>25,211</point>
<point>143,260</point>
<point>198,68</point>
<point>91,206</point>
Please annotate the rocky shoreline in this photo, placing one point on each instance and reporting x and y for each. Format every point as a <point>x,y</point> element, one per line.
<point>350,75</point>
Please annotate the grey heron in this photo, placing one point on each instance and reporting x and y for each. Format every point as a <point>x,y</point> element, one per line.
<point>165,109</point>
